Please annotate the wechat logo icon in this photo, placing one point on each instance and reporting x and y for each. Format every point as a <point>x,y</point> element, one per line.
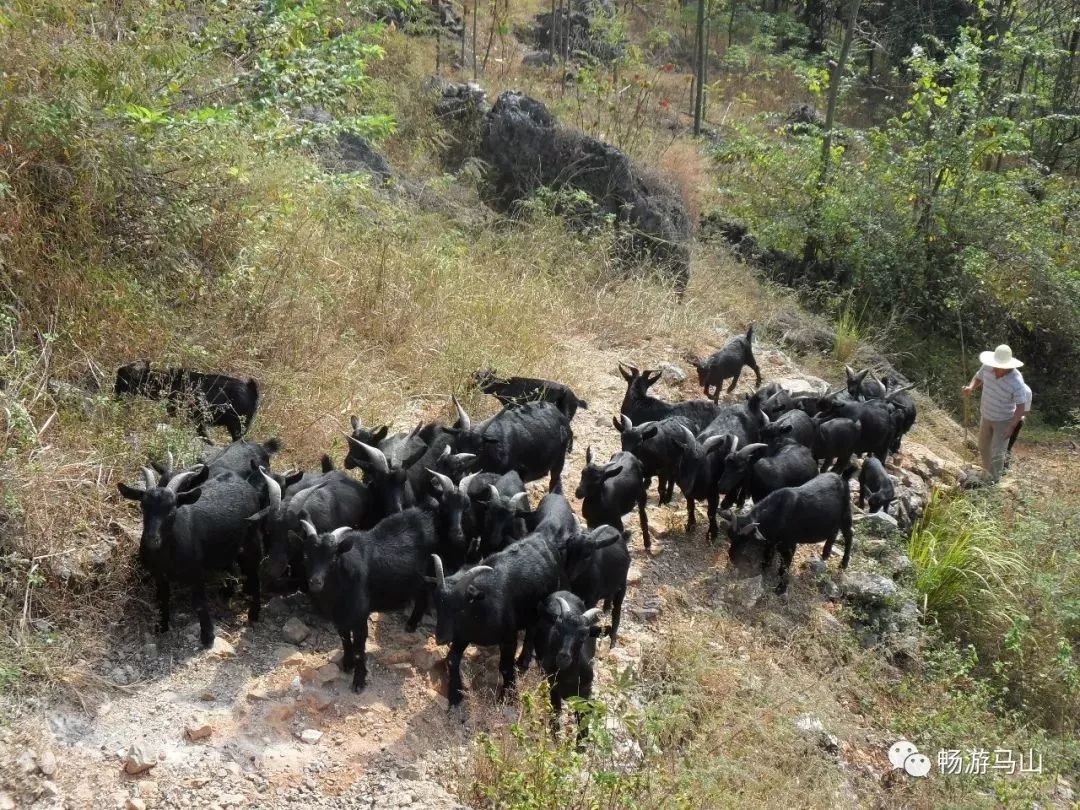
<point>904,754</point>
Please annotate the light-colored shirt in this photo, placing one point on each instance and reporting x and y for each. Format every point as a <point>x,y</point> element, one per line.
<point>1027,397</point>
<point>1001,396</point>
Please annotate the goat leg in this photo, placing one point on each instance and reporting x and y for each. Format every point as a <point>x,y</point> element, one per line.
<point>735,380</point>
<point>506,666</point>
<point>420,602</point>
<point>453,685</point>
<point>525,658</point>
<point>202,610</point>
<point>616,615</point>
<point>360,631</point>
<point>643,519</point>
<point>348,653</point>
<point>691,517</point>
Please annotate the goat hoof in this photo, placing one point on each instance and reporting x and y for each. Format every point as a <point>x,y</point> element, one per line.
<point>358,687</point>
<point>410,627</point>
<point>253,615</point>
<point>207,641</point>
<point>346,665</point>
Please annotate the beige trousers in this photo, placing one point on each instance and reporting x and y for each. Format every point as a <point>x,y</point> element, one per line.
<point>993,442</point>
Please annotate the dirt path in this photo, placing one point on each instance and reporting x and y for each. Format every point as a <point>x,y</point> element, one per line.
<point>284,727</point>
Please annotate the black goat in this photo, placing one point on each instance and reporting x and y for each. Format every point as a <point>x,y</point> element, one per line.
<point>727,363</point>
<point>758,470</point>
<point>241,457</point>
<point>214,399</point>
<point>564,639</point>
<point>835,442</point>
<point>700,464</point>
<point>875,486</point>
<point>656,446</point>
<point>639,406</point>
<point>396,448</point>
<point>489,604</point>
<point>499,504</point>
<point>861,386</point>
<point>903,405</point>
<point>530,439</point>
<point>293,482</point>
<point>778,404</point>
<point>194,525</point>
<point>356,573</point>
<point>517,390</point>
<point>598,572</point>
<point>794,425</point>
<point>875,417</point>
<point>818,510</point>
<point>609,491</point>
<point>334,501</point>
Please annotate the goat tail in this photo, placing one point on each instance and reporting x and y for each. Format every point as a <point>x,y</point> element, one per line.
<point>750,332</point>
<point>583,404</point>
<point>272,445</point>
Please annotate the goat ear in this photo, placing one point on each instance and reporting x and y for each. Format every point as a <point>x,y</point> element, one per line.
<point>611,473</point>
<point>490,440</point>
<point>344,545</point>
<point>189,496</point>
<point>626,374</point>
<point>588,455</point>
<point>415,457</point>
<point>354,423</point>
<point>596,631</point>
<point>130,493</point>
<point>327,464</point>
<point>379,435</point>
<point>617,423</point>
<point>649,432</point>
<point>474,594</point>
<point>292,478</point>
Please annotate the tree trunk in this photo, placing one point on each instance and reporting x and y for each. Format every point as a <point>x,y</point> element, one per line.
<point>834,91</point>
<point>699,70</point>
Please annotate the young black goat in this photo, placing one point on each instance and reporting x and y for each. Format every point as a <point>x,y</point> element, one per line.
<point>357,573</point>
<point>835,442</point>
<point>818,510</point>
<point>517,390</point>
<point>875,486</point>
<point>861,386</point>
<point>609,491</point>
<point>727,363</point>
<point>564,638</point>
<point>192,526</point>
<point>656,446</point>
<point>597,570</point>
<point>214,399</point>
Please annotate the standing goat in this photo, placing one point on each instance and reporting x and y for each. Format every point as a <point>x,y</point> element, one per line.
<point>727,363</point>
<point>191,526</point>
<point>609,491</point>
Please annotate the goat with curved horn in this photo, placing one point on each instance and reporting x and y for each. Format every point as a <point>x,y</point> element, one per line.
<point>591,616</point>
<point>463,418</point>
<point>374,455</point>
<point>564,606</point>
<point>440,576</point>
<point>149,482</point>
<point>273,488</point>
<point>445,483</point>
<point>178,481</point>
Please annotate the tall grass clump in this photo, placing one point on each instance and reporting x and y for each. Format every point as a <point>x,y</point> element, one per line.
<point>1002,582</point>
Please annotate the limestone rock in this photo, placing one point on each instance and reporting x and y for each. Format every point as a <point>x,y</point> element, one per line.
<point>295,631</point>
<point>136,761</point>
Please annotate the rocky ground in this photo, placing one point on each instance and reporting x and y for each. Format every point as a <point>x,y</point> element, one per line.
<point>266,719</point>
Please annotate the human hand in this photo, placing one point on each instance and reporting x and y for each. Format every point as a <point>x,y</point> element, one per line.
<point>967,390</point>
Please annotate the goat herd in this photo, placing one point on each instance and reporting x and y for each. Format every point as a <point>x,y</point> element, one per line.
<point>442,511</point>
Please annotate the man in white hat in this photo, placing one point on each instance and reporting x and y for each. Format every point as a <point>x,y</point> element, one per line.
<point>1004,396</point>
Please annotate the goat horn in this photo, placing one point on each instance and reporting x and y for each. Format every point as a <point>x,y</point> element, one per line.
<point>463,487</point>
<point>494,493</point>
<point>309,529</point>
<point>273,488</point>
<point>472,574</point>
<point>463,417</point>
<point>445,452</point>
<point>374,454</point>
<point>688,433</point>
<point>440,577</point>
<point>520,501</point>
<point>169,462</point>
<point>591,616</point>
<point>900,390</point>
<point>734,444</point>
<point>626,423</point>
<point>149,481</point>
<point>178,481</point>
<point>446,484</point>
<point>564,606</point>
<point>340,532</point>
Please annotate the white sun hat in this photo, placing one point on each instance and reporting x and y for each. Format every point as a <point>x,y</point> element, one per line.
<point>1001,357</point>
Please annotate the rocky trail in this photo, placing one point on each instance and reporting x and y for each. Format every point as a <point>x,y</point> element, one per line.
<point>266,718</point>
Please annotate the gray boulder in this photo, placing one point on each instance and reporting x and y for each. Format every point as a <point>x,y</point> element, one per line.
<point>527,150</point>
